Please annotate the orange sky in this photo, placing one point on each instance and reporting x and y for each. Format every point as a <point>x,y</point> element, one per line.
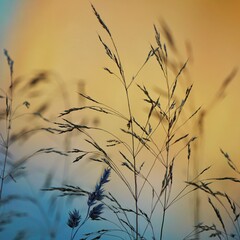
<point>63,37</point>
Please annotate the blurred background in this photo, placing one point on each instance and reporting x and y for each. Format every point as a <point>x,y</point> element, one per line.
<point>57,53</point>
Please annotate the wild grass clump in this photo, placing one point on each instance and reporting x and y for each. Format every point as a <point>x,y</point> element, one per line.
<point>141,154</point>
<point>8,118</point>
<point>225,208</point>
<point>136,137</point>
<point>94,204</point>
<point>14,168</point>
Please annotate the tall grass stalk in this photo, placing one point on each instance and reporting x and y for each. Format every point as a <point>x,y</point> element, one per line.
<point>9,112</point>
<point>12,168</point>
<point>140,137</point>
<point>119,65</point>
<point>199,126</point>
<point>224,207</point>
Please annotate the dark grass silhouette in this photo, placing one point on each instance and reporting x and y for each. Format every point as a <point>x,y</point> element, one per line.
<point>140,138</point>
<point>15,113</point>
<point>160,135</point>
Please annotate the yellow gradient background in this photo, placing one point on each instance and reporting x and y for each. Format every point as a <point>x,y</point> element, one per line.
<point>62,37</point>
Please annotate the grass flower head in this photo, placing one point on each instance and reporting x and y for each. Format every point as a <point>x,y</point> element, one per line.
<point>74,219</point>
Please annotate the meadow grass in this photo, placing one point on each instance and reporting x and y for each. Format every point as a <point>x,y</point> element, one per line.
<point>15,134</point>
<point>139,148</point>
<point>140,136</point>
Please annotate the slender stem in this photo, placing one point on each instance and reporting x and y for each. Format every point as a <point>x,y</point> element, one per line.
<point>162,225</point>
<point>134,165</point>
<point>133,143</point>
<point>8,125</point>
<point>166,192</point>
<point>71,233</point>
<point>4,165</point>
<point>164,210</point>
<point>85,220</point>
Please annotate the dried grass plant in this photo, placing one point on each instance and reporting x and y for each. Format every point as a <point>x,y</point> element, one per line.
<point>141,154</point>
<point>162,117</point>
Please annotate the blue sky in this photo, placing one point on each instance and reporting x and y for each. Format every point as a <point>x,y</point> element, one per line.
<point>7,9</point>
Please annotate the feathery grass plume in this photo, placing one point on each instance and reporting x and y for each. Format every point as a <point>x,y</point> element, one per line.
<point>203,228</point>
<point>74,219</point>
<point>96,212</point>
<point>218,215</point>
<point>100,20</point>
<point>94,208</point>
<point>229,161</point>
<point>10,62</point>
<point>98,193</point>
